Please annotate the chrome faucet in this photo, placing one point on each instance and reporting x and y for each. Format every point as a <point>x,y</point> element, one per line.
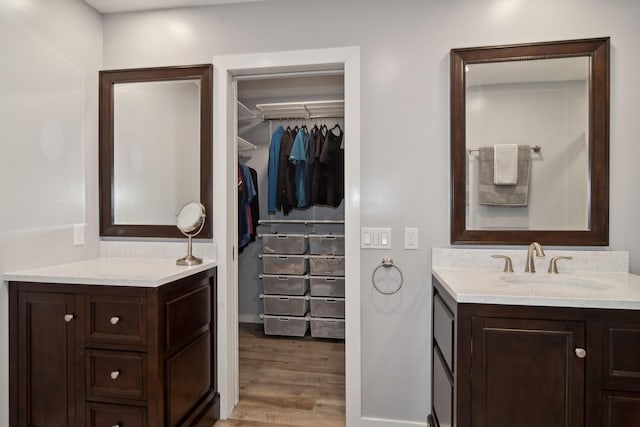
<point>530,266</point>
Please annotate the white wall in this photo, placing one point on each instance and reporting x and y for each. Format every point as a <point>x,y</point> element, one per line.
<point>551,115</point>
<point>405,128</point>
<point>51,52</point>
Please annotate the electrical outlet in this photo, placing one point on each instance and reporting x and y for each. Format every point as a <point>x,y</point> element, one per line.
<point>410,238</point>
<point>78,234</point>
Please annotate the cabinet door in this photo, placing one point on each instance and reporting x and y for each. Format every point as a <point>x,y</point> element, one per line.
<point>46,359</point>
<point>621,410</point>
<point>526,373</point>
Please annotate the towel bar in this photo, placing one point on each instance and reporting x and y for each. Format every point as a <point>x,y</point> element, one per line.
<point>535,148</point>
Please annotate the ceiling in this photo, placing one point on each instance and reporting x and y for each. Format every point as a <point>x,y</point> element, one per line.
<point>116,6</point>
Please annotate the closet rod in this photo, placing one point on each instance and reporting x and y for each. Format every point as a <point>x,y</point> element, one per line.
<point>300,221</point>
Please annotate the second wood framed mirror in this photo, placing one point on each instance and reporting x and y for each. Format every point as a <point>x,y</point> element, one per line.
<point>155,148</point>
<point>547,105</point>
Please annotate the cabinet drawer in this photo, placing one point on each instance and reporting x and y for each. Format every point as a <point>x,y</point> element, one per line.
<point>443,330</point>
<point>116,320</point>
<point>442,393</point>
<point>116,374</point>
<point>622,356</point>
<point>100,415</point>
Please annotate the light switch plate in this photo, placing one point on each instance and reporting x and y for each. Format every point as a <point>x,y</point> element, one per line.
<point>375,238</point>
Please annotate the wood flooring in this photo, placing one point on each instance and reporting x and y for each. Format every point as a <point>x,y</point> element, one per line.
<point>286,382</point>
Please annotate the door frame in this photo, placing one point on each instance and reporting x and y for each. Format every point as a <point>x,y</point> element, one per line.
<point>224,207</point>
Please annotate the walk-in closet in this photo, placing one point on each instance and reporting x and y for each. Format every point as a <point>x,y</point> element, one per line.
<point>291,258</point>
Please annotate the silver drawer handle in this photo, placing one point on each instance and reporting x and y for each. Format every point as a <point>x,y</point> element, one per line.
<point>68,317</point>
<point>114,320</point>
<point>117,425</point>
<point>581,353</point>
<point>115,374</point>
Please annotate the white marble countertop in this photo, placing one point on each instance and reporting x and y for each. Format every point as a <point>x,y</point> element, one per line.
<point>617,290</point>
<point>593,279</point>
<point>141,272</point>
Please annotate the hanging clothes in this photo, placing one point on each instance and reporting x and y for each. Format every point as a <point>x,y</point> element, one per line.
<point>272,173</point>
<point>311,163</point>
<point>246,194</point>
<point>286,199</point>
<point>329,170</point>
<point>298,158</point>
<point>320,171</point>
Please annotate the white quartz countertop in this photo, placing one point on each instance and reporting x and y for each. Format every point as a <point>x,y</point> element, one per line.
<point>142,272</point>
<point>588,289</point>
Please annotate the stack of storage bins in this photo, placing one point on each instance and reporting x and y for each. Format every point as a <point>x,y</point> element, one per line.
<point>326,263</point>
<point>286,302</point>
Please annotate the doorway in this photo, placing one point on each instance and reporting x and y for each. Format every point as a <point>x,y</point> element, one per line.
<point>225,155</point>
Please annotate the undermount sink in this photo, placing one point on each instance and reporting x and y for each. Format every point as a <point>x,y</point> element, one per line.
<point>555,280</point>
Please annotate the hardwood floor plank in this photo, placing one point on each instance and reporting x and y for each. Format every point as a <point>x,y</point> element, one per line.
<point>288,382</point>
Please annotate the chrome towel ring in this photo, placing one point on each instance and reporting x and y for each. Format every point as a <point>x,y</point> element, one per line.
<point>387,263</point>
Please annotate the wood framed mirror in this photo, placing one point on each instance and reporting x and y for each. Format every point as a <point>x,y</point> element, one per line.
<point>155,148</point>
<point>551,101</point>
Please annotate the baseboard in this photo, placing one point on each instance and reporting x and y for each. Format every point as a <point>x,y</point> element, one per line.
<point>381,422</point>
<point>249,318</point>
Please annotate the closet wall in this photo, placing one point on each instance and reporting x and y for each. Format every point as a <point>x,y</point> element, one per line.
<point>258,132</point>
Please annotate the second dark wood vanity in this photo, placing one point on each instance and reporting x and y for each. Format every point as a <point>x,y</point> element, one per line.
<point>497,365</point>
<point>85,355</point>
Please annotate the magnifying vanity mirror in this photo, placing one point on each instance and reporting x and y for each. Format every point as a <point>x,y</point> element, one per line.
<point>155,148</point>
<point>190,221</point>
<point>549,104</point>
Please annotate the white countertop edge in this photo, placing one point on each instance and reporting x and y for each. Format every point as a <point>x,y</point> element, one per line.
<point>85,273</point>
<point>528,300</point>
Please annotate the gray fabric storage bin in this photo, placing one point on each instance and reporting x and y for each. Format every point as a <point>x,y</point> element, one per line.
<point>327,307</point>
<point>326,244</point>
<point>285,325</point>
<point>285,285</point>
<point>285,264</point>
<point>327,328</point>
<point>326,265</point>
<point>285,305</point>
<point>326,286</point>
<point>293,244</point>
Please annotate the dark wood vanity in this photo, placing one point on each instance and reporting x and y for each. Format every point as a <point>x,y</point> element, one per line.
<point>526,366</point>
<point>126,356</point>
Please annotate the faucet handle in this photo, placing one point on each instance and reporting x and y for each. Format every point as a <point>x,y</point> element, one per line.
<point>553,264</point>
<point>508,266</point>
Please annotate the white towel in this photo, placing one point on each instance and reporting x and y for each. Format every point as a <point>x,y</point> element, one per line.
<point>505,164</point>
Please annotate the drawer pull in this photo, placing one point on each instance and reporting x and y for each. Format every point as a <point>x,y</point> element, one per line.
<point>581,353</point>
<point>68,317</point>
<point>117,425</point>
<point>114,320</point>
<point>115,374</point>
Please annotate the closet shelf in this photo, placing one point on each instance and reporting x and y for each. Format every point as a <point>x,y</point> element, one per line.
<point>301,110</point>
<point>245,113</point>
<point>244,145</point>
<point>300,221</point>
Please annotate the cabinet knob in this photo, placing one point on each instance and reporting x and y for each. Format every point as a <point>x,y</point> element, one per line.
<point>581,353</point>
<point>68,317</point>
<point>115,374</point>
<point>114,320</point>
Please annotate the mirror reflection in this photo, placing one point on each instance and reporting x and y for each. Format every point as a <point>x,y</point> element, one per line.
<point>156,150</point>
<point>542,106</point>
